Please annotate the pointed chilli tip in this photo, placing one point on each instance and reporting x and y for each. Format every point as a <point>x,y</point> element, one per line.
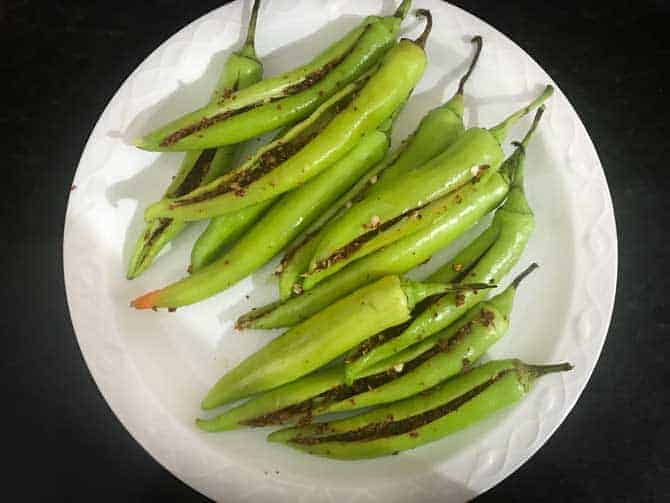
<point>479,42</point>
<point>146,301</point>
<point>523,275</point>
<point>139,142</point>
<point>421,41</point>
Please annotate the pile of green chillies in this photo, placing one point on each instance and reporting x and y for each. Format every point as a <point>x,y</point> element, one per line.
<point>351,217</point>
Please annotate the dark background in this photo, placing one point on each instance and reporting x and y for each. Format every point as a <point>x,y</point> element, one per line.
<point>61,61</point>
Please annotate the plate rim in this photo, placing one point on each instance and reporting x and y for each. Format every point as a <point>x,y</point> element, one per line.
<point>608,211</point>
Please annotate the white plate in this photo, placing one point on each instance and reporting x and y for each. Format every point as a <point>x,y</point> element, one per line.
<point>153,368</point>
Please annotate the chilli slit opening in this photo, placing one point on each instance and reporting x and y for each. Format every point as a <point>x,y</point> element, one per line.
<point>310,80</point>
<point>290,253</point>
<point>197,173</point>
<point>442,345</point>
<point>350,248</point>
<point>390,427</point>
<point>463,273</point>
<point>377,340</point>
<point>302,410</point>
<point>270,159</point>
<point>163,223</point>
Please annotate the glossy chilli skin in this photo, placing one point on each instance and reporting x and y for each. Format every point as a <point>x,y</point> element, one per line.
<point>241,70</point>
<point>423,366</point>
<point>383,215</point>
<point>426,417</point>
<point>285,145</point>
<point>323,337</point>
<point>397,258</point>
<point>290,403</point>
<point>438,129</point>
<point>283,221</point>
<point>487,259</point>
<point>284,99</point>
<point>384,91</point>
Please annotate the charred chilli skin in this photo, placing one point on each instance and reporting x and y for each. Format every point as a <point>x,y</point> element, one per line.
<point>241,70</point>
<point>323,337</point>
<point>437,130</point>
<point>385,90</point>
<point>423,418</point>
<point>284,99</point>
<point>475,154</point>
<point>488,258</point>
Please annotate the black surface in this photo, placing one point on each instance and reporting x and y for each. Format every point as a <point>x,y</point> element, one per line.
<point>61,61</point>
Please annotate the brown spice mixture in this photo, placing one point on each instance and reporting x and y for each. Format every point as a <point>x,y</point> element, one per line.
<point>384,429</point>
<point>303,410</point>
<point>310,80</point>
<point>194,177</point>
<point>269,160</point>
<point>204,123</point>
<point>347,250</point>
<point>149,238</point>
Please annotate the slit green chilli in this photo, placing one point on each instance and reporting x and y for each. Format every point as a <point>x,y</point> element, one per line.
<point>476,200</point>
<point>282,222</point>
<point>323,337</point>
<point>487,259</point>
<point>391,211</point>
<point>438,129</point>
<point>241,70</point>
<point>439,358</point>
<point>426,417</point>
<point>275,170</point>
<point>225,229</point>
<point>284,99</point>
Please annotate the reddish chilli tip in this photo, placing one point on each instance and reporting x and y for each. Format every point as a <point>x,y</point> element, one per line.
<point>146,301</point>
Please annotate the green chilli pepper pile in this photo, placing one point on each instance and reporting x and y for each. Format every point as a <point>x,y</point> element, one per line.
<point>350,217</point>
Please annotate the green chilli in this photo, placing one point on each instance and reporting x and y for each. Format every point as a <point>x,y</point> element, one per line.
<point>222,231</point>
<point>283,99</point>
<point>323,337</point>
<point>292,402</point>
<point>282,222</point>
<point>439,358</point>
<point>373,222</point>
<point>284,165</point>
<point>422,418</point>
<point>397,258</point>
<point>487,259</point>
<point>241,70</point>
<point>438,129</point>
